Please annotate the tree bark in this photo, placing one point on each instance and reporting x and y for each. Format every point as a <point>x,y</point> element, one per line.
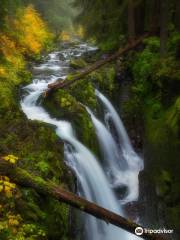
<point>140,17</point>
<point>164,27</point>
<point>177,15</point>
<point>153,10</point>
<point>25,179</point>
<point>93,67</point>
<point>131,21</point>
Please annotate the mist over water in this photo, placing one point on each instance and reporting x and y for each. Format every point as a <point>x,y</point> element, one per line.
<point>121,164</point>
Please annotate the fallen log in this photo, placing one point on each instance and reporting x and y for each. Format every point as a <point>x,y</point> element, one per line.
<point>65,83</point>
<point>25,179</point>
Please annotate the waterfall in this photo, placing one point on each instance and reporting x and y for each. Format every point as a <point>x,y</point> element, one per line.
<point>95,185</point>
<point>123,163</point>
<point>109,149</point>
<point>133,160</point>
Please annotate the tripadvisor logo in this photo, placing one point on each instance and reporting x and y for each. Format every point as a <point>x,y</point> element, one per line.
<point>139,231</point>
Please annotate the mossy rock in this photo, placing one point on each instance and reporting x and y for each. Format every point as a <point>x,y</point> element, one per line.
<point>104,79</point>
<point>77,63</point>
<point>68,105</point>
<point>62,105</point>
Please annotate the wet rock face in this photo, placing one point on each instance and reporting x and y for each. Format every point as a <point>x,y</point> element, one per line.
<point>61,57</point>
<point>148,201</point>
<point>121,191</point>
<point>159,192</point>
<point>132,211</point>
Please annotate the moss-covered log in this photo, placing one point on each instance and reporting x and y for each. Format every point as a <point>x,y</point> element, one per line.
<point>25,179</point>
<point>65,83</point>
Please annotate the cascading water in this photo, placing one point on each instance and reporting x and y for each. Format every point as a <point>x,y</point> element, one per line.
<point>94,183</point>
<point>123,163</point>
<point>106,141</point>
<point>133,160</point>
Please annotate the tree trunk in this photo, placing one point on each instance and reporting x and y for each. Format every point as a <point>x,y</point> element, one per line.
<point>164,27</point>
<point>25,179</point>
<point>131,21</point>
<point>153,9</point>
<point>93,67</point>
<point>177,15</point>
<point>140,17</point>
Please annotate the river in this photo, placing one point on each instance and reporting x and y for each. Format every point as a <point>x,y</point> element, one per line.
<point>98,180</point>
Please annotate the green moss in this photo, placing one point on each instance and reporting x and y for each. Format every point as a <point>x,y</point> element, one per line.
<point>154,126</point>
<point>13,226</point>
<point>111,42</point>
<point>154,103</point>
<point>43,167</point>
<point>153,44</point>
<point>61,104</point>
<point>56,219</point>
<point>173,216</point>
<point>164,181</point>
<point>68,105</point>
<point>173,117</point>
<point>78,63</point>
<point>173,42</point>
<point>105,79</point>
<point>84,92</point>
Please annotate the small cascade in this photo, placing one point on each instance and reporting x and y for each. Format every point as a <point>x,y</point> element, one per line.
<point>122,163</point>
<point>110,151</point>
<point>133,160</point>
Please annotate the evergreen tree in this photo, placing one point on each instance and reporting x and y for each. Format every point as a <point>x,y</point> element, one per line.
<point>57,13</point>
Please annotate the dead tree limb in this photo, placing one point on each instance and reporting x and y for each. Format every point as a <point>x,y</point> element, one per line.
<point>25,179</point>
<point>65,83</point>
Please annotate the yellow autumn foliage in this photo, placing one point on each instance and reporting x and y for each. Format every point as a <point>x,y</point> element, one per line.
<point>26,34</point>
<point>11,64</point>
<point>14,220</point>
<point>10,54</point>
<point>11,158</point>
<point>30,31</point>
<point>6,187</point>
<point>65,36</point>
<point>80,32</point>
<point>2,71</point>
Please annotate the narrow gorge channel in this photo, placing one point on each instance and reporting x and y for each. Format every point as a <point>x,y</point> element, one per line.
<point>99,181</point>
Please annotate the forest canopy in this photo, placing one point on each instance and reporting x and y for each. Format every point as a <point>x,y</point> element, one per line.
<point>109,22</point>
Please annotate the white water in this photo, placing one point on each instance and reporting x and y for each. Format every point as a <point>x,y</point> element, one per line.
<point>133,160</point>
<point>123,163</point>
<point>117,167</point>
<point>94,183</point>
<point>107,143</point>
